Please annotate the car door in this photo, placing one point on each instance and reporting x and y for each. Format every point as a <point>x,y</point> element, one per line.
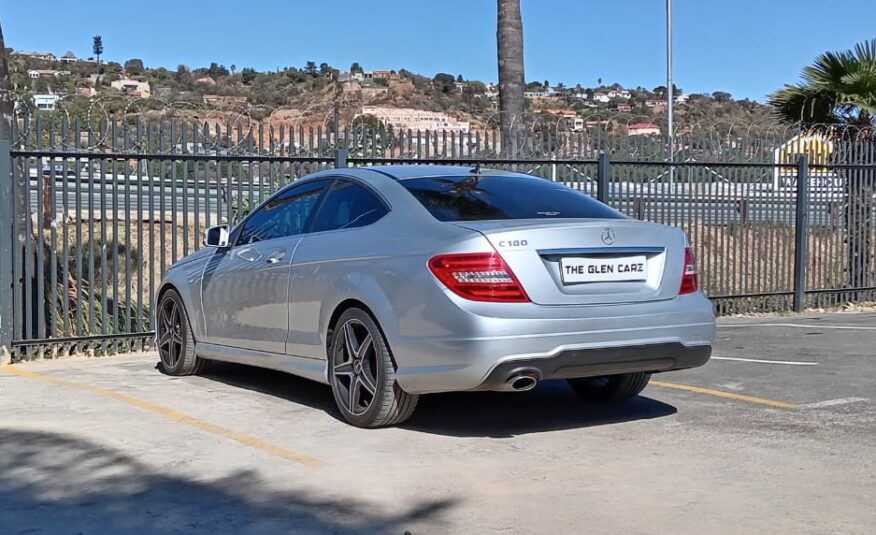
<point>330,257</point>
<point>245,287</point>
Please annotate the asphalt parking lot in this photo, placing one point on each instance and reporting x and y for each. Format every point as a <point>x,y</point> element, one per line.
<point>776,435</point>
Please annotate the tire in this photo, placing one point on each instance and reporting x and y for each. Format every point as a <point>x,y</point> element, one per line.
<point>611,387</point>
<point>362,374</point>
<point>176,344</point>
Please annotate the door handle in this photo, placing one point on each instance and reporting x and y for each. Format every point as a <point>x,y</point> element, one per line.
<point>250,255</point>
<point>276,256</point>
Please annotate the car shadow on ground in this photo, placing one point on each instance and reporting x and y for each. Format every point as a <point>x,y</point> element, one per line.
<point>551,406</point>
<point>58,483</point>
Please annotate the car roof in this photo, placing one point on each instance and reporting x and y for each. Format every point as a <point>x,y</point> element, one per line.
<point>406,172</point>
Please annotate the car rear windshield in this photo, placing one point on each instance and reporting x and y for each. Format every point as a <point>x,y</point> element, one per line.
<point>477,198</point>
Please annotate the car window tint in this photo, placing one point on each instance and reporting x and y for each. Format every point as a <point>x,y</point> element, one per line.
<point>348,205</point>
<point>474,198</point>
<point>284,215</point>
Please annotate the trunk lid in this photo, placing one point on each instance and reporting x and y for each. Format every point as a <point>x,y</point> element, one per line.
<point>584,262</point>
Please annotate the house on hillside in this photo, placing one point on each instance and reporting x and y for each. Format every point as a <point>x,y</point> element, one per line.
<point>656,105</point>
<point>33,74</point>
<point>45,102</point>
<point>206,80</point>
<point>413,119</point>
<point>68,57</point>
<point>45,56</point>
<point>643,129</point>
<point>133,88</point>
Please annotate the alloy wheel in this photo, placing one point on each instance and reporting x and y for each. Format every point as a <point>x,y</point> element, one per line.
<point>354,370</point>
<point>170,333</point>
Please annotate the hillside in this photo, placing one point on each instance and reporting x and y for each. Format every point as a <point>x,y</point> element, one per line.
<point>308,96</point>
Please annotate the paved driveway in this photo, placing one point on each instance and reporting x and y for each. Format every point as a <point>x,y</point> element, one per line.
<point>776,435</point>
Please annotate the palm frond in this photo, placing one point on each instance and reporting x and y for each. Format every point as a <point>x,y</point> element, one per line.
<point>837,87</point>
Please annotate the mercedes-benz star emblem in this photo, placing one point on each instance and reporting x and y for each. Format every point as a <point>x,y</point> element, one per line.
<point>607,236</point>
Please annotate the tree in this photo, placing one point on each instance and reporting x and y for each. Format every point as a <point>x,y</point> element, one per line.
<point>839,89</point>
<point>310,68</point>
<point>722,96</point>
<point>233,68</point>
<point>134,66</point>
<point>355,67</point>
<point>459,78</point>
<point>97,48</point>
<point>546,84</point>
<point>509,39</point>
<point>216,71</point>
<point>444,82</point>
<point>247,75</point>
<point>325,69</point>
<point>183,75</point>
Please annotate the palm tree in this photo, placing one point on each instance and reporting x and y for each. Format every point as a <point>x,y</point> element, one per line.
<point>838,94</point>
<point>839,88</point>
<point>509,35</point>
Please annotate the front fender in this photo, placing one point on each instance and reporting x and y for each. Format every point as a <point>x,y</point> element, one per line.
<point>185,278</point>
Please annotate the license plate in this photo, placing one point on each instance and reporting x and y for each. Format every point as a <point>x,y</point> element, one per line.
<point>620,268</point>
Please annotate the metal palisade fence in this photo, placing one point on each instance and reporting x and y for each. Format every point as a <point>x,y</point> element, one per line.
<point>93,214</point>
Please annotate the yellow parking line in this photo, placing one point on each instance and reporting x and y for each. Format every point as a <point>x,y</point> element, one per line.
<point>723,394</point>
<point>174,416</point>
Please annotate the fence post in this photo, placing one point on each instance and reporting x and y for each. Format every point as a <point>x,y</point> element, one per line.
<point>801,234</point>
<point>340,158</point>
<point>6,244</point>
<point>602,173</point>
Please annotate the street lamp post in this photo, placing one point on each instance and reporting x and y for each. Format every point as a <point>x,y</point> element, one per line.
<point>669,94</point>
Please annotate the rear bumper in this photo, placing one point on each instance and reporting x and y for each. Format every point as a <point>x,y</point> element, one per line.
<point>481,346</point>
<point>593,362</point>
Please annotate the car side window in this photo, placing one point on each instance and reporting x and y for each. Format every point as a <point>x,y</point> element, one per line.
<point>348,205</point>
<point>286,214</point>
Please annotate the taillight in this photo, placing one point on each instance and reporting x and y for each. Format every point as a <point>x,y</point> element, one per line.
<point>479,277</point>
<point>689,282</point>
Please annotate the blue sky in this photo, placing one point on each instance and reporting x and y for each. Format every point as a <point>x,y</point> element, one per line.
<point>746,47</point>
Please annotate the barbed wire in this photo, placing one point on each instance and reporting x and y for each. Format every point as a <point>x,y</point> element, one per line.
<point>232,127</point>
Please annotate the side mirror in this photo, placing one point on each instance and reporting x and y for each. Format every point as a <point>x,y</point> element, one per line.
<point>216,236</point>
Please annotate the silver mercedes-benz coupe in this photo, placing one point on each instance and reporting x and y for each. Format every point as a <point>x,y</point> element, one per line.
<point>391,282</point>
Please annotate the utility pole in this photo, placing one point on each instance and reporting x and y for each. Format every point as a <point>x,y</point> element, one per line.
<point>669,95</point>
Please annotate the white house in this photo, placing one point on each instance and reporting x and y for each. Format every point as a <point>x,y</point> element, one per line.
<point>643,129</point>
<point>45,102</point>
<point>621,94</point>
<point>37,73</point>
<point>601,97</point>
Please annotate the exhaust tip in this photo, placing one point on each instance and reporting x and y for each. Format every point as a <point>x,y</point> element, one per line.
<point>523,382</point>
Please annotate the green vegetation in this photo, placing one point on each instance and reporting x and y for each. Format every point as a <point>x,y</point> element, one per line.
<point>313,89</point>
